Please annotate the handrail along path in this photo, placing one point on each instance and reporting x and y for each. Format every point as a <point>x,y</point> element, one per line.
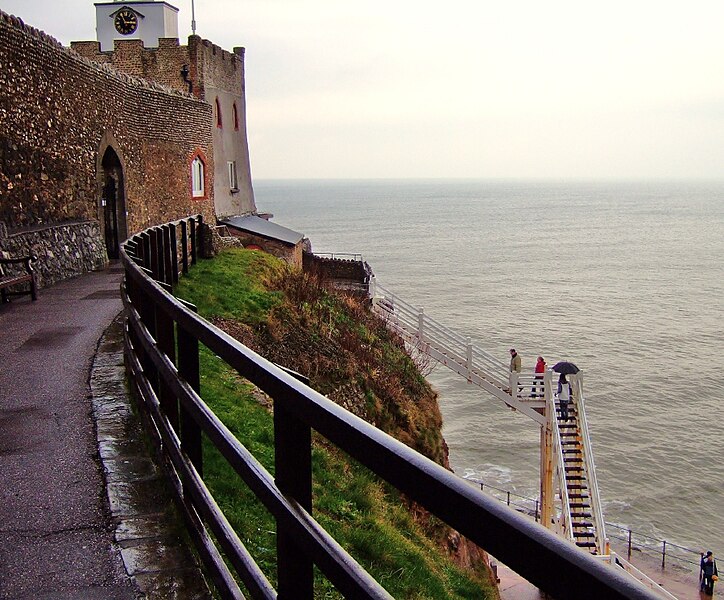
<point>162,341</point>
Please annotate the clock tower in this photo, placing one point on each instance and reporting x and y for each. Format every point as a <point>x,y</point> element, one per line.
<point>146,20</point>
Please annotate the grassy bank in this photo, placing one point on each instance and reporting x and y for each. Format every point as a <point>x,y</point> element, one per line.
<point>349,356</point>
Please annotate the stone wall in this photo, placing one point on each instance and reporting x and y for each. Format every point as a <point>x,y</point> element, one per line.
<point>63,250</point>
<point>337,268</point>
<point>58,114</point>
<point>162,65</point>
<point>212,74</point>
<point>292,254</point>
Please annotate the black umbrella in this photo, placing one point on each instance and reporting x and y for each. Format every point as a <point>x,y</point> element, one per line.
<point>565,368</point>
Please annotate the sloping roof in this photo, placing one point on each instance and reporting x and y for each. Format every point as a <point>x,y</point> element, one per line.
<point>264,228</point>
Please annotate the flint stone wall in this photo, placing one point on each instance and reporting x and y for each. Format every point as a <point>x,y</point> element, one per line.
<point>58,114</point>
<point>63,250</point>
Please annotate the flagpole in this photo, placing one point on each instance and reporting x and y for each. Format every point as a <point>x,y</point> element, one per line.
<point>193,19</point>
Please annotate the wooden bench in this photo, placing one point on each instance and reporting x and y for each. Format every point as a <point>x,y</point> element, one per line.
<point>7,280</point>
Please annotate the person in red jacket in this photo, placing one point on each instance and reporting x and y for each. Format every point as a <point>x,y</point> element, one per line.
<point>540,368</point>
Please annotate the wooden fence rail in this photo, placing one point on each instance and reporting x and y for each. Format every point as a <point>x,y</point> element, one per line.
<point>162,341</point>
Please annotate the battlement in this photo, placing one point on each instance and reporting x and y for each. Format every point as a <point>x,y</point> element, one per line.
<point>204,62</point>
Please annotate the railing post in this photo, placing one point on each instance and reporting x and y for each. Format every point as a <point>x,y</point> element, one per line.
<point>188,368</point>
<point>167,344</point>
<point>153,237</point>
<point>293,476</point>
<point>421,324</point>
<point>184,247</point>
<point>469,357</point>
<point>174,254</point>
<point>629,544</point>
<point>167,253</point>
<point>147,260</point>
<point>513,382</point>
<point>547,467</point>
<point>192,235</point>
<point>663,556</point>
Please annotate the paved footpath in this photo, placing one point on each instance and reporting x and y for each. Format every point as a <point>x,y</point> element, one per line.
<point>70,525</point>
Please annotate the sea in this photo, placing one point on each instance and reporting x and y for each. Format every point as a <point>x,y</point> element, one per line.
<point>624,278</point>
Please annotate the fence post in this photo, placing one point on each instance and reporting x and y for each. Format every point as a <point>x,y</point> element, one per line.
<point>167,255</point>
<point>192,235</point>
<point>469,357</point>
<point>421,324</point>
<point>167,344</point>
<point>157,233</point>
<point>513,384</point>
<point>174,254</point>
<point>185,247</point>
<point>663,556</point>
<point>188,368</point>
<point>293,476</point>
<point>629,544</point>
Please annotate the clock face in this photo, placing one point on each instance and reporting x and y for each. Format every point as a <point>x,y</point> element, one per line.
<point>126,21</point>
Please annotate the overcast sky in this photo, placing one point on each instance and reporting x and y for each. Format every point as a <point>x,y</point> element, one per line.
<point>521,89</point>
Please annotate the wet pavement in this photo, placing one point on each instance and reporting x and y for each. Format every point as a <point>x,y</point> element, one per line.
<point>84,512</point>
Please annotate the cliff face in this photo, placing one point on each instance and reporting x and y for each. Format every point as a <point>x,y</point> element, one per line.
<point>351,357</point>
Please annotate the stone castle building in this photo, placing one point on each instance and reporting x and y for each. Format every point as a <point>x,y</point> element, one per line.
<point>105,138</point>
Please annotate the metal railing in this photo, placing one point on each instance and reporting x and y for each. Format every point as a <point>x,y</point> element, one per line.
<point>565,522</point>
<point>457,347</point>
<point>576,383</point>
<point>516,389</point>
<point>351,256</point>
<point>625,540</point>
<point>162,340</point>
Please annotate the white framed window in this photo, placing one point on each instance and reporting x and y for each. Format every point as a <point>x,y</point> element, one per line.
<point>197,177</point>
<point>233,183</point>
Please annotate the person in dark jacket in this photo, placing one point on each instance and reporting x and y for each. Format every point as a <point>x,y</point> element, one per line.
<point>708,572</point>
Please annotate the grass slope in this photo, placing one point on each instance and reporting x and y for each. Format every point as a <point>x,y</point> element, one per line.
<point>265,303</point>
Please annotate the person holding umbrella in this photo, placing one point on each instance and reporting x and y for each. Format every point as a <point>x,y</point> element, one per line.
<point>564,368</point>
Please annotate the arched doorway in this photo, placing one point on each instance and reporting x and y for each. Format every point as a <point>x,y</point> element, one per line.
<point>113,203</point>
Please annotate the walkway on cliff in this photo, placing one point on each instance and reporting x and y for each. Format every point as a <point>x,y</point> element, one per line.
<point>83,511</point>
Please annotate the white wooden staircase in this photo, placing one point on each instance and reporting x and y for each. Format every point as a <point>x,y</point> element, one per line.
<point>570,502</point>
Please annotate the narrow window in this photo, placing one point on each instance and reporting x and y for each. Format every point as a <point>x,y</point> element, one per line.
<point>218,113</point>
<point>197,177</point>
<point>236,117</point>
<point>233,184</point>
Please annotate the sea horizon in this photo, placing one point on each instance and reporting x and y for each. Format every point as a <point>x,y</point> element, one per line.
<point>625,278</point>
